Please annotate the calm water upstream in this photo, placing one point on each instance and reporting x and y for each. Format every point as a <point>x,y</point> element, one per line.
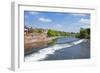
<point>61,49</point>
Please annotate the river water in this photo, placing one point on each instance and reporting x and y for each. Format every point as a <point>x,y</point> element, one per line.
<point>61,49</point>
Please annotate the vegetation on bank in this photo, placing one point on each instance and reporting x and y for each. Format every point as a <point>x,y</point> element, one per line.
<point>50,32</point>
<point>31,30</point>
<point>53,33</point>
<point>84,33</point>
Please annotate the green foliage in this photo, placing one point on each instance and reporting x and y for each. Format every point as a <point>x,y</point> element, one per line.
<point>51,33</point>
<point>84,33</point>
<point>77,35</point>
<point>31,30</point>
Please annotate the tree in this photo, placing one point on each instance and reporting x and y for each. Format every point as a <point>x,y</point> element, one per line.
<point>84,33</point>
<point>51,33</point>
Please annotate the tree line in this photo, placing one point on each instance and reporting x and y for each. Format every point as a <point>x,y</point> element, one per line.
<point>53,33</point>
<point>84,33</point>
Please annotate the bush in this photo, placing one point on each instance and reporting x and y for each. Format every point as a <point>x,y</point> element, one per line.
<point>51,33</point>
<point>84,33</point>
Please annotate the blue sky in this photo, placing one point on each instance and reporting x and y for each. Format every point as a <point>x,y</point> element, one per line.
<point>68,22</point>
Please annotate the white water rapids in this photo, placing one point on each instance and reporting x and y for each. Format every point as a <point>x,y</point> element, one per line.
<point>43,53</point>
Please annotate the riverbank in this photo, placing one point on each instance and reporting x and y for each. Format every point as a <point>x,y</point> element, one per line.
<point>61,51</point>
<point>39,41</point>
<point>36,42</point>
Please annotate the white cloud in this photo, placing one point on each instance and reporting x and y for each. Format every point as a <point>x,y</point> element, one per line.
<point>84,21</point>
<point>58,25</point>
<point>42,19</point>
<point>78,14</point>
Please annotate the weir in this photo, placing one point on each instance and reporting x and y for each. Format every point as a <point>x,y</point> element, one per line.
<point>43,53</point>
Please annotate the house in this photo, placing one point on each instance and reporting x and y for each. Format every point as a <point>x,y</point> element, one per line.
<point>26,30</point>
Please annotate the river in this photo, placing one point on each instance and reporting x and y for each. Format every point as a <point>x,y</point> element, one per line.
<point>61,49</point>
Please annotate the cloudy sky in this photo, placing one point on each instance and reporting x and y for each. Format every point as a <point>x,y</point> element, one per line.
<point>68,22</point>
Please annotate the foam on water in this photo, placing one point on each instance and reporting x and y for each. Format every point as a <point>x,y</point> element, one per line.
<point>43,53</point>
